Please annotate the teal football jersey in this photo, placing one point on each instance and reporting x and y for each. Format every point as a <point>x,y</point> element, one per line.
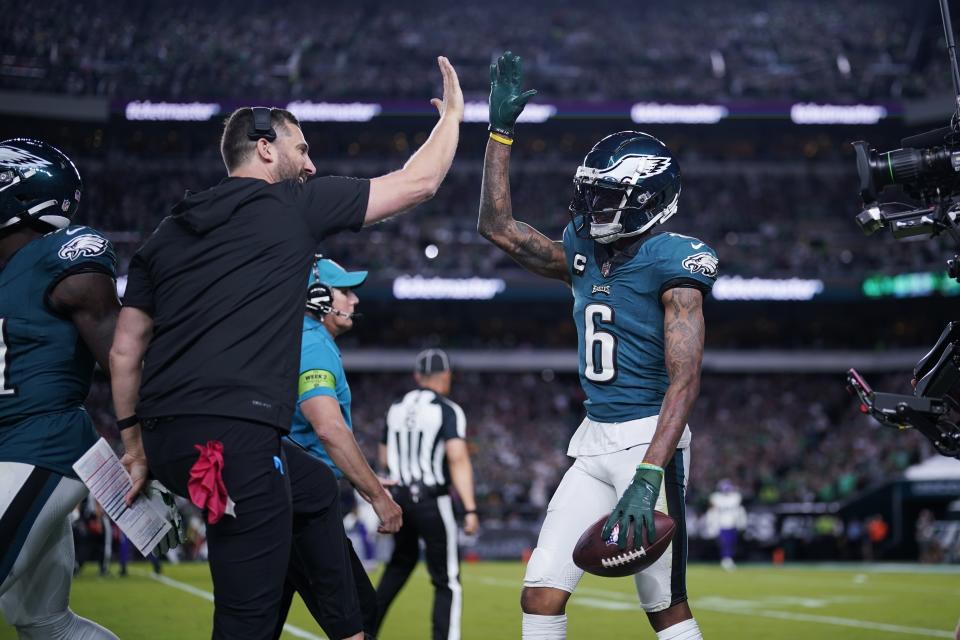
<point>45,368</point>
<point>619,316</point>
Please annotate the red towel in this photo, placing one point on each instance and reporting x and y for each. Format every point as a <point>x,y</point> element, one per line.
<point>206,486</point>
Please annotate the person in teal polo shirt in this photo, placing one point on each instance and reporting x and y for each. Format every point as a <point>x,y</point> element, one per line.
<point>322,423</point>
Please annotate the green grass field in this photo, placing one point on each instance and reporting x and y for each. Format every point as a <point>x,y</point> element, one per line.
<point>755,602</point>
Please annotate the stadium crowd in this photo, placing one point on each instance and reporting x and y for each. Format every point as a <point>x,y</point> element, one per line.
<point>197,51</point>
<point>806,444</point>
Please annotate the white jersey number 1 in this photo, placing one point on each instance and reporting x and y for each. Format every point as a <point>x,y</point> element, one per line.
<point>6,389</point>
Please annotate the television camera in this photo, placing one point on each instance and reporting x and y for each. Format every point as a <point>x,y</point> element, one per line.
<point>915,191</point>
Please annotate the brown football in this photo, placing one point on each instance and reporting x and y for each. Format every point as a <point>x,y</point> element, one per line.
<point>604,558</point>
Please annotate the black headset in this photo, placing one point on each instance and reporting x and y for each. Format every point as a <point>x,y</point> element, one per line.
<point>319,295</point>
<point>262,124</point>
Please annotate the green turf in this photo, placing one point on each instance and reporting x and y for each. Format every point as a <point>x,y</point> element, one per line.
<point>755,602</point>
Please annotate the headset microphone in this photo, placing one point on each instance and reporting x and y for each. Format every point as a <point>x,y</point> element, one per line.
<point>320,296</point>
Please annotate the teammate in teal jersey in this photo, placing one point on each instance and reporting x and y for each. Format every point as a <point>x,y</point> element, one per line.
<point>638,297</point>
<point>58,308</point>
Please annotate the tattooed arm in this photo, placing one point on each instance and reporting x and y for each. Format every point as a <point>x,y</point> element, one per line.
<point>683,330</point>
<point>533,250</point>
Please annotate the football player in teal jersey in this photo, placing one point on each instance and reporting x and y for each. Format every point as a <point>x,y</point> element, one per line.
<point>638,297</point>
<point>58,309</point>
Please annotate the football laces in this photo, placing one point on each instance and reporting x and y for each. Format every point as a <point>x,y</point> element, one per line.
<point>623,558</point>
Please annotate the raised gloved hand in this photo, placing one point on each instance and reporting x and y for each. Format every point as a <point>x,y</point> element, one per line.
<point>163,501</point>
<point>506,100</point>
<point>637,505</point>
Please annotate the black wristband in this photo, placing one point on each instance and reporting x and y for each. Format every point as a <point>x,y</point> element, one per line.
<point>503,132</point>
<point>126,423</point>
<point>469,511</point>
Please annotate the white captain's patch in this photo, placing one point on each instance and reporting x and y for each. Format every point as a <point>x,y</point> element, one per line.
<point>85,246</point>
<point>703,262</point>
<point>579,264</point>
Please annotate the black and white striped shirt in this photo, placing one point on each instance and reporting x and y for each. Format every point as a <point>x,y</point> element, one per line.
<point>416,430</point>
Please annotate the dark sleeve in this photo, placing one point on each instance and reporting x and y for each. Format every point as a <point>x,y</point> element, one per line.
<point>139,292</point>
<point>454,422</point>
<point>78,250</point>
<point>331,204</point>
<point>687,262</point>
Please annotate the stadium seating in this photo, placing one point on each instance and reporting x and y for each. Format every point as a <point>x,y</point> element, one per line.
<point>743,50</point>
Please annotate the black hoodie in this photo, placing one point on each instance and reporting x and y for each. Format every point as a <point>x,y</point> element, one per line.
<point>225,279</point>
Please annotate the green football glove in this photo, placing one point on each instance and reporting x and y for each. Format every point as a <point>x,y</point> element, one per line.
<point>637,505</point>
<point>163,501</point>
<point>506,101</point>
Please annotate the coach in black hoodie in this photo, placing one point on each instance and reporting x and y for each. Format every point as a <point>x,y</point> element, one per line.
<point>206,351</point>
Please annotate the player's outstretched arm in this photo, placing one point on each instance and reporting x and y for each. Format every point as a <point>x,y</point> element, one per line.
<point>533,250</point>
<point>683,332</point>
<point>424,172</point>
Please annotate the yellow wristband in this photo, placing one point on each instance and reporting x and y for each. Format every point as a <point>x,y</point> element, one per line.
<point>501,138</point>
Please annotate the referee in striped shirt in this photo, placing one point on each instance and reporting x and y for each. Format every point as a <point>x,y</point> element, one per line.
<point>424,450</point>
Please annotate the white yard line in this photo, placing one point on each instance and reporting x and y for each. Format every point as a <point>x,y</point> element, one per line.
<point>872,567</point>
<point>297,632</point>
<point>619,601</point>
<point>756,609</point>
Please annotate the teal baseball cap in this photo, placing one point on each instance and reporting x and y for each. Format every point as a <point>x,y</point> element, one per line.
<point>330,273</point>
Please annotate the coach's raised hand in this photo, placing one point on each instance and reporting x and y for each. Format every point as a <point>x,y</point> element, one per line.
<point>452,103</point>
<point>506,99</point>
<point>424,172</point>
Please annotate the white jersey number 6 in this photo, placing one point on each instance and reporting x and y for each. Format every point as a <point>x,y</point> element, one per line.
<point>595,314</point>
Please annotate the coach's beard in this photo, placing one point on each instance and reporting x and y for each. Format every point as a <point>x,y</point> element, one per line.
<point>288,170</point>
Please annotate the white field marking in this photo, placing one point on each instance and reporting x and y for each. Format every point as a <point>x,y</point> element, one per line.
<point>774,575</point>
<point>808,603</point>
<point>518,584</point>
<point>296,632</point>
<point>611,605</point>
<point>877,567</point>
<point>751,608</point>
<point>765,602</point>
<point>748,608</point>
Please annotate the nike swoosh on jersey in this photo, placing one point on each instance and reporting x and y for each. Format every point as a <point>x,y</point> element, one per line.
<point>70,232</point>
<point>696,245</point>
